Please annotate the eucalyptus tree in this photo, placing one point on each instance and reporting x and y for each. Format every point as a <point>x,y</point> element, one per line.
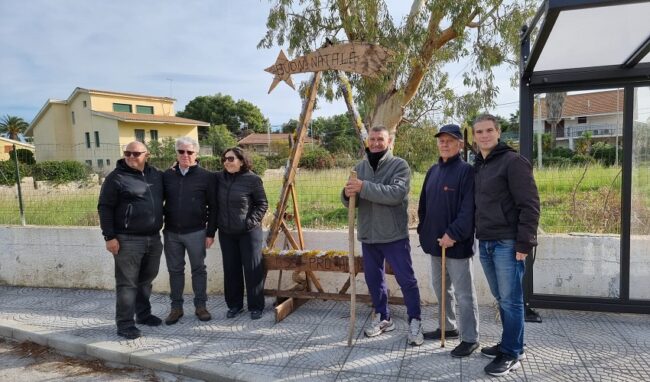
<point>477,35</point>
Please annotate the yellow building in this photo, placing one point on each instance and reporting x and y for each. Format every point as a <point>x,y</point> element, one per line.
<point>7,147</point>
<point>93,126</point>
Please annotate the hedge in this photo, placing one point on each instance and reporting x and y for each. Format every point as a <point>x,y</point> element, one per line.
<point>60,171</point>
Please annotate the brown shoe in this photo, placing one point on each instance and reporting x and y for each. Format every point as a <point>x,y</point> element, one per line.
<point>174,316</point>
<point>203,314</point>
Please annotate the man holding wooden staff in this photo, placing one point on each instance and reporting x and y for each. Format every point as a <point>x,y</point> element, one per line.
<point>446,213</point>
<point>382,189</point>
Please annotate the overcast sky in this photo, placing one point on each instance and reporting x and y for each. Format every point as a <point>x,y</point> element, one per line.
<point>181,49</point>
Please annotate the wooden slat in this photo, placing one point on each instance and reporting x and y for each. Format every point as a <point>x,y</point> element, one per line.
<point>288,235</point>
<point>294,198</point>
<point>286,307</point>
<point>327,296</point>
<point>311,276</point>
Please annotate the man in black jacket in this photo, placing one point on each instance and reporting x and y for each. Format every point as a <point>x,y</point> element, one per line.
<point>130,212</point>
<point>446,213</point>
<point>507,216</point>
<point>190,224</point>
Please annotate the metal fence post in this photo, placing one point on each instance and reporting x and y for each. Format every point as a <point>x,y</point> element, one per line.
<point>20,193</point>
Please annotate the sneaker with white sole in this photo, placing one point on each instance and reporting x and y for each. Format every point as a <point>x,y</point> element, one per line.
<point>502,365</point>
<point>378,326</point>
<point>494,351</point>
<point>415,338</point>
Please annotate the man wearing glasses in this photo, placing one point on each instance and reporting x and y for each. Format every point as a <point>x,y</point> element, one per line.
<point>190,225</point>
<point>131,215</point>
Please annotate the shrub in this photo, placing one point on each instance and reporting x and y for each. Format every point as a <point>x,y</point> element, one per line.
<point>581,159</point>
<point>345,161</point>
<point>259,163</point>
<point>24,156</point>
<point>60,171</point>
<point>276,161</point>
<point>211,163</point>
<point>604,153</point>
<point>562,152</point>
<point>316,158</point>
<point>556,161</point>
<point>8,172</point>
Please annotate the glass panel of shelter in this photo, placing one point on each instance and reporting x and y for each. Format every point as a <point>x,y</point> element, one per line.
<point>640,211</point>
<point>577,161</point>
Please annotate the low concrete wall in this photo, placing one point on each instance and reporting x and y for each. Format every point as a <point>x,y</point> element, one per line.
<point>75,257</point>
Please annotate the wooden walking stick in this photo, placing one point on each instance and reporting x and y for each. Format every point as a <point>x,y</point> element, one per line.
<point>353,292</point>
<point>442,300</point>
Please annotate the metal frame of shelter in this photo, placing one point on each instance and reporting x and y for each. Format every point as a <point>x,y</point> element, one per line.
<point>628,75</point>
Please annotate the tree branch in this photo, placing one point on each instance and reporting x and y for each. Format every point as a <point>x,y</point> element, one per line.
<point>345,16</point>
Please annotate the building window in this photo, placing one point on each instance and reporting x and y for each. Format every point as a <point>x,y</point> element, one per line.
<point>96,138</point>
<point>139,135</point>
<point>88,140</point>
<point>73,119</point>
<point>85,103</point>
<point>100,163</point>
<point>122,107</point>
<point>582,119</point>
<point>89,163</point>
<point>144,109</point>
<point>154,135</point>
<point>108,162</point>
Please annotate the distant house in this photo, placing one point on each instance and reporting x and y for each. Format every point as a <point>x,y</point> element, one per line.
<point>7,146</point>
<point>93,126</point>
<point>268,144</point>
<point>599,113</point>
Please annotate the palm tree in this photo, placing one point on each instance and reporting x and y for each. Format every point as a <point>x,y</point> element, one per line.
<point>12,126</point>
<point>554,105</point>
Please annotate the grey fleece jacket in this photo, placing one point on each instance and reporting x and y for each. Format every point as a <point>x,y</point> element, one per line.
<point>383,201</point>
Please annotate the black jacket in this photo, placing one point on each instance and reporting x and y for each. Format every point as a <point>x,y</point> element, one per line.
<point>131,202</point>
<point>190,200</point>
<point>241,201</point>
<point>506,197</point>
<point>447,206</point>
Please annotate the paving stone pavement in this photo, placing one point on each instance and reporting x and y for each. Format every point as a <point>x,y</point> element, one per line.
<point>311,344</point>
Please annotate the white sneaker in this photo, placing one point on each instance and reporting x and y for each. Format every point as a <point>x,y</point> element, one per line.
<point>378,326</point>
<point>416,338</point>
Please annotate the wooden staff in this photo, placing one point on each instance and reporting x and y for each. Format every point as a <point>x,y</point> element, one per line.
<point>353,292</point>
<point>442,301</point>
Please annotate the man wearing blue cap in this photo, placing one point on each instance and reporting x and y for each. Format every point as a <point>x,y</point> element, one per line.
<point>446,213</point>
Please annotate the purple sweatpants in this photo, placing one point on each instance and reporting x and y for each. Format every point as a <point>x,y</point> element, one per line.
<point>398,255</point>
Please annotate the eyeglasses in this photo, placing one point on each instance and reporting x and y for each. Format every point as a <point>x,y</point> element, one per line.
<point>181,152</point>
<point>229,159</point>
<point>134,154</point>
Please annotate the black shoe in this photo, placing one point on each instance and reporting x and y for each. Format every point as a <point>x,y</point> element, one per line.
<point>435,335</point>
<point>493,351</point>
<point>464,349</point>
<point>233,312</point>
<point>502,365</point>
<point>256,314</point>
<point>129,333</point>
<point>150,320</point>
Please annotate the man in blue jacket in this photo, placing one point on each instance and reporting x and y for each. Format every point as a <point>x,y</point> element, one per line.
<point>131,214</point>
<point>446,213</point>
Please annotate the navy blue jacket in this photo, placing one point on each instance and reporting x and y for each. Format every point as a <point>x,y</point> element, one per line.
<point>447,206</point>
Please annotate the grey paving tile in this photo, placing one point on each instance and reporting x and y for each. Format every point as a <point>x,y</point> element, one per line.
<point>430,364</point>
<point>328,357</point>
<point>553,360</point>
<point>328,334</point>
<point>351,376</point>
<point>622,375</point>
<point>612,356</point>
<point>298,374</point>
<point>378,362</point>
<point>472,370</point>
<point>224,351</point>
<point>389,341</point>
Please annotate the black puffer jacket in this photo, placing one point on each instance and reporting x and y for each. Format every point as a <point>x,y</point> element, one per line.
<point>131,202</point>
<point>506,198</point>
<point>190,200</point>
<point>241,201</point>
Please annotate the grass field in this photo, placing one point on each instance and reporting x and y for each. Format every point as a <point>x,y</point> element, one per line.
<point>573,200</point>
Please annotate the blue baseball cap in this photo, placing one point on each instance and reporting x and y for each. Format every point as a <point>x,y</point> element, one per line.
<point>451,129</point>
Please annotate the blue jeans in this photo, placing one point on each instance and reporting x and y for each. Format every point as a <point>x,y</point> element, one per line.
<point>504,274</point>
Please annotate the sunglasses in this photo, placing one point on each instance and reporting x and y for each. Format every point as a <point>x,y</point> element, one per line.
<point>229,159</point>
<point>134,154</point>
<point>181,152</point>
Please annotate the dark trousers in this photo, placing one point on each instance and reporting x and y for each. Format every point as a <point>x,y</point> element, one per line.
<point>136,265</point>
<point>243,251</point>
<point>175,246</point>
<point>398,255</point>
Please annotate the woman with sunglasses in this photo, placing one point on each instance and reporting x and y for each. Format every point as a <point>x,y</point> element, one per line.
<point>241,206</point>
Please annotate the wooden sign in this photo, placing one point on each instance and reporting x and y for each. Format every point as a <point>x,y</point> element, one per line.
<point>357,57</point>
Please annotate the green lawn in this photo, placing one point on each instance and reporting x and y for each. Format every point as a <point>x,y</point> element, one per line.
<point>572,200</point>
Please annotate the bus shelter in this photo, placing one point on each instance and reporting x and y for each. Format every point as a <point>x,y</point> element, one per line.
<point>585,126</point>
